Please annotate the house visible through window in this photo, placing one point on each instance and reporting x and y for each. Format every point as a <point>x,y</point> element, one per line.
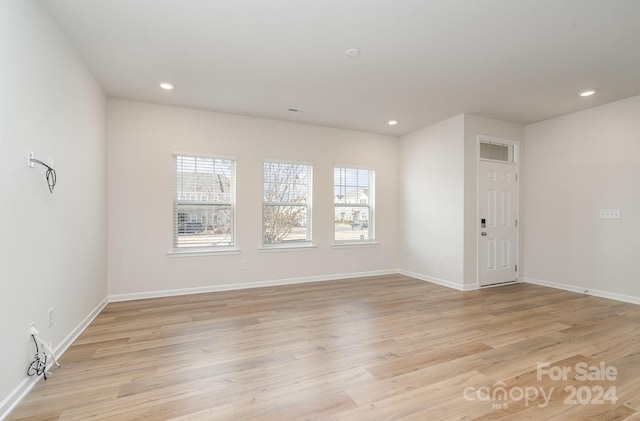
<point>199,222</point>
<point>354,194</point>
<point>286,203</point>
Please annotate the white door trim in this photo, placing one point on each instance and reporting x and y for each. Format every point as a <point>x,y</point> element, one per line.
<point>516,154</point>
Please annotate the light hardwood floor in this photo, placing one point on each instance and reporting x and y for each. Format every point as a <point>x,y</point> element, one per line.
<point>379,348</point>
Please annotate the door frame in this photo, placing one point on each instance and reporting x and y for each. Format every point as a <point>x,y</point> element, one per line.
<point>516,158</point>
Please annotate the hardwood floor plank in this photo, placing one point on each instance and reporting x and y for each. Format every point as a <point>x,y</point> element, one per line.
<point>414,362</point>
<point>378,348</point>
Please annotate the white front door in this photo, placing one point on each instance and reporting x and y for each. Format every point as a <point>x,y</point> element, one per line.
<point>498,231</point>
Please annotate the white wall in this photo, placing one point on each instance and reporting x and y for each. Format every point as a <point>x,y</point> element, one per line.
<point>474,126</point>
<point>439,197</point>
<point>53,249</point>
<point>576,165</point>
<point>432,202</point>
<point>141,139</point>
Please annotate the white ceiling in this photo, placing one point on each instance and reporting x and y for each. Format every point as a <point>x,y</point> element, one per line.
<point>421,61</point>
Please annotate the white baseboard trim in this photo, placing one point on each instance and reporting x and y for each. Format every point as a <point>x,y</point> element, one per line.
<point>246,285</point>
<point>25,386</point>
<point>585,290</point>
<point>438,281</point>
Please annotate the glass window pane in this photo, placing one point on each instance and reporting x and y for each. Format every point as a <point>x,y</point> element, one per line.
<point>286,196</point>
<point>204,225</point>
<point>284,223</point>
<point>351,223</point>
<point>353,200</point>
<point>204,197</point>
<point>497,152</point>
<point>485,151</point>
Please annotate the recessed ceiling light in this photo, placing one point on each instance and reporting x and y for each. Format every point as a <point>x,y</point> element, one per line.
<point>166,85</point>
<point>352,52</point>
<point>393,122</point>
<point>588,92</point>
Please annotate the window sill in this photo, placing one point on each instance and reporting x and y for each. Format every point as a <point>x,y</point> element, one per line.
<point>199,253</point>
<point>288,247</point>
<point>355,244</point>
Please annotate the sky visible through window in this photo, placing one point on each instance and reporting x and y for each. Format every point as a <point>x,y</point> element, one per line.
<point>349,180</point>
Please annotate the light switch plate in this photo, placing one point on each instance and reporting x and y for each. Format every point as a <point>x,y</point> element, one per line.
<point>609,213</point>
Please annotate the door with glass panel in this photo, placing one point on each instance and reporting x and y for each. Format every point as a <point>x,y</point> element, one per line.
<point>498,213</point>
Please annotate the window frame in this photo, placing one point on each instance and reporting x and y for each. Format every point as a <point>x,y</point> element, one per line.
<point>513,150</point>
<point>230,244</point>
<point>370,205</point>
<point>307,205</point>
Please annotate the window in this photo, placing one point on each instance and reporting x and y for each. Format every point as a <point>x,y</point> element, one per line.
<point>286,203</point>
<point>203,223</point>
<point>354,194</point>
<point>497,152</point>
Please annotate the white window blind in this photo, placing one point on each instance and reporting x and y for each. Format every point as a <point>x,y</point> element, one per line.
<point>497,151</point>
<point>204,202</point>
<point>286,203</point>
<point>354,204</point>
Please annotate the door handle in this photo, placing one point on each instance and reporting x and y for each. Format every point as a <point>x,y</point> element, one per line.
<point>484,234</point>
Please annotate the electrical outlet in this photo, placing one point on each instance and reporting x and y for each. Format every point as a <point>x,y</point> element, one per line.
<point>243,264</point>
<point>51,317</point>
